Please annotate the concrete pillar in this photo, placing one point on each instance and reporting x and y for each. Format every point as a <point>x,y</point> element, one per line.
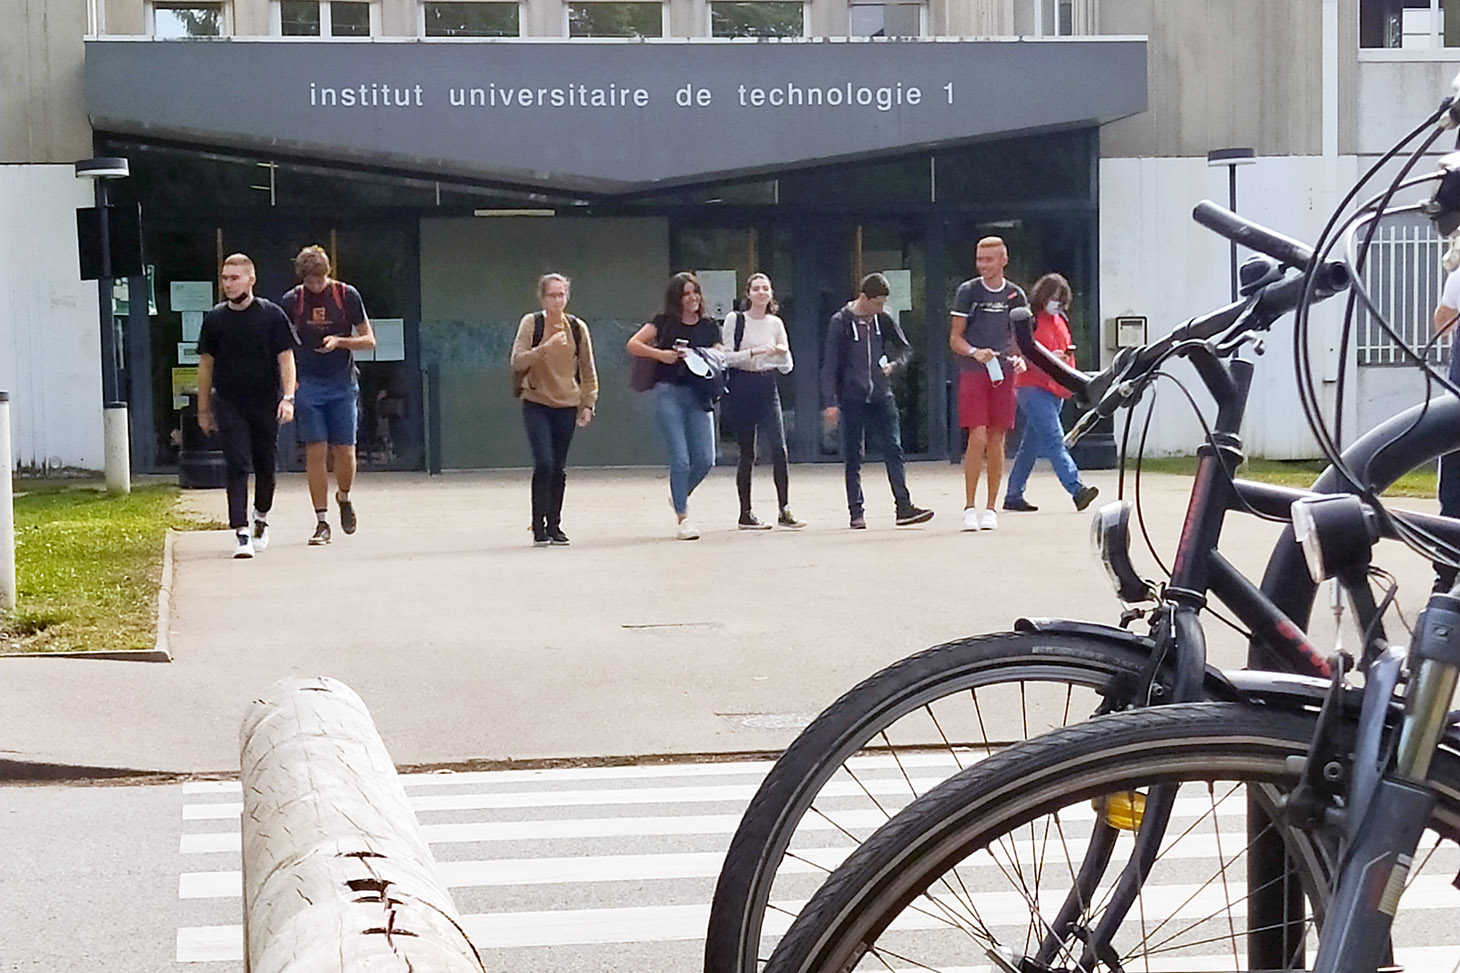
<point>118,452</point>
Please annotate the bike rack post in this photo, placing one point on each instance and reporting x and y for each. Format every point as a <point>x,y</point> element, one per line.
<point>336,874</point>
<point>7,510</point>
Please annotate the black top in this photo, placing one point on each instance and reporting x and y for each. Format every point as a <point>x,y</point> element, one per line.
<point>338,309</point>
<point>245,347</point>
<point>987,314</point>
<point>704,333</point>
<point>851,369</point>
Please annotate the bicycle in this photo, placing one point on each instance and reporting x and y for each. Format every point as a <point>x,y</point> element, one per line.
<point>1344,781</point>
<point>1083,668</point>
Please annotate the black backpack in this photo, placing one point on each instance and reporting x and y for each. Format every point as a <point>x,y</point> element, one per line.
<point>539,321</point>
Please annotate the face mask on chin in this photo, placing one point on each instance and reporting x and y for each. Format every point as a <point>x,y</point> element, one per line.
<point>1053,307</point>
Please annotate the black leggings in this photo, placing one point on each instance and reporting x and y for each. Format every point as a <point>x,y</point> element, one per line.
<point>549,433</point>
<point>773,437</point>
<point>249,438</point>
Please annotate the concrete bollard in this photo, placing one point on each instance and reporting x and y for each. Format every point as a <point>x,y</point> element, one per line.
<point>336,875</point>
<point>117,447</point>
<point>7,510</point>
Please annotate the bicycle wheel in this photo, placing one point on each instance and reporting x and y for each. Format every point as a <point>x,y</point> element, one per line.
<point>887,740</point>
<point>973,873</point>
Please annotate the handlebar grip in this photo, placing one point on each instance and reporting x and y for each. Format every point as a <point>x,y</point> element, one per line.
<point>1251,235</point>
<point>1041,357</point>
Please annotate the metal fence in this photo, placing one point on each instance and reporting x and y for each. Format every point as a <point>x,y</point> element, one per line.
<point>1403,277</point>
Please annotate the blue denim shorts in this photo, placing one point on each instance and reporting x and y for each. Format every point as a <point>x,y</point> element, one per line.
<point>327,412</point>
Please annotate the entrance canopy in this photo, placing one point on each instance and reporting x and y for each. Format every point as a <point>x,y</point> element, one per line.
<point>605,117</point>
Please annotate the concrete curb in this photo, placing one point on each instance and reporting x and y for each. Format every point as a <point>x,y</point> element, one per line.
<point>161,650</point>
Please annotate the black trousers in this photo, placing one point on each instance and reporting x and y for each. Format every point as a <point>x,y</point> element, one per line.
<point>549,433</point>
<point>249,438</point>
<point>763,419</point>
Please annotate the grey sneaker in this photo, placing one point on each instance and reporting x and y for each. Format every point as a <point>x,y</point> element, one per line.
<point>749,521</point>
<point>321,535</point>
<point>347,515</point>
<point>1085,496</point>
<point>858,522</point>
<point>788,520</point>
<point>913,515</point>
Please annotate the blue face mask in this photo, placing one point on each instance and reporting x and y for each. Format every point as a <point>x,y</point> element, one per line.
<point>1053,307</point>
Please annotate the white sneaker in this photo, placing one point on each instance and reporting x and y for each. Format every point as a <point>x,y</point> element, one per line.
<point>687,532</point>
<point>988,520</point>
<point>260,535</point>
<point>970,518</point>
<point>244,546</point>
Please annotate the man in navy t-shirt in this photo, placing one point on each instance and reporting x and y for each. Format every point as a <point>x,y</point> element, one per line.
<point>329,323</point>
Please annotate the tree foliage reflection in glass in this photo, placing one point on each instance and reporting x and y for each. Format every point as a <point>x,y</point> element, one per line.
<point>471,19</point>
<point>756,18</point>
<point>615,19</point>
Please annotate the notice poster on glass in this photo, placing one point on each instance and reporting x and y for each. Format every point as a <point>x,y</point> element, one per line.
<point>718,287</point>
<point>191,295</point>
<point>184,383</point>
<point>899,283</point>
<point>192,325</point>
<point>187,353</point>
<point>390,341</point>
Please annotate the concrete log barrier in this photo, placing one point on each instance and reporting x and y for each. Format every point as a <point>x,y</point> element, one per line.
<point>336,875</point>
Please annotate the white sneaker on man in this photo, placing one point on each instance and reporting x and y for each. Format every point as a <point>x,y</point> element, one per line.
<point>988,520</point>
<point>260,533</point>
<point>244,545</point>
<point>687,532</point>
<point>970,518</point>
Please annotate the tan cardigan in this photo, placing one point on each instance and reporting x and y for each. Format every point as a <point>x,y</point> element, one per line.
<point>561,376</point>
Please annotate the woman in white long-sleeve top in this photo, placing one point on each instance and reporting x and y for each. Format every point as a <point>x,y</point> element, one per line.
<point>756,348</point>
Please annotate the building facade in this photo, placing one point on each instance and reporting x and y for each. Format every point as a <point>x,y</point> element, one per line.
<point>448,152</point>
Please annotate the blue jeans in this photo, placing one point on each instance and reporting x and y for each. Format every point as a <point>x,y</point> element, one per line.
<point>1043,437</point>
<point>327,412</point>
<point>689,439</point>
<point>879,418</point>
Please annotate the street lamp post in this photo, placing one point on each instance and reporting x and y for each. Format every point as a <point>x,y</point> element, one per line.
<point>1232,158</point>
<point>114,411</point>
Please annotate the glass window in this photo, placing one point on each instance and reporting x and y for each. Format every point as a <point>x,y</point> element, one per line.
<point>885,20</point>
<point>349,19</point>
<point>757,18</point>
<point>187,20</point>
<point>615,19</point>
<point>459,18</point>
<point>299,18</point>
<point>1409,24</point>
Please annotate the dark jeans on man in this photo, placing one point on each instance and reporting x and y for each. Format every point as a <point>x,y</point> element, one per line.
<point>878,420</point>
<point>1449,493</point>
<point>549,433</point>
<point>249,438</point>
<point>768,423</point>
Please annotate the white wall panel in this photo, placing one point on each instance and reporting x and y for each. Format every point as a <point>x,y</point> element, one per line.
<point>50,344</point>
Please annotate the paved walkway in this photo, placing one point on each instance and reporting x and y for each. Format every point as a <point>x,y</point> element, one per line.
<point>469,645</point>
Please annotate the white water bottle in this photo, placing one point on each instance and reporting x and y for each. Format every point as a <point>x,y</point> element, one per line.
<point>996,371</point>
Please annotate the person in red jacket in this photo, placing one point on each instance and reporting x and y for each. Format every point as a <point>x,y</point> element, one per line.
<point>1039,402</point>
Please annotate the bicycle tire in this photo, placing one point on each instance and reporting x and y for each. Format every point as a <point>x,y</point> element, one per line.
<point>994,804</point>
<point>852,723</point>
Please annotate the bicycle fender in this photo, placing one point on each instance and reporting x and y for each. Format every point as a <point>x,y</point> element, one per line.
<point>1215,681</point>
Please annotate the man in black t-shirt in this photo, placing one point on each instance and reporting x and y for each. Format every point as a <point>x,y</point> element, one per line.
<point>245,390</point>
<point>330,323</point>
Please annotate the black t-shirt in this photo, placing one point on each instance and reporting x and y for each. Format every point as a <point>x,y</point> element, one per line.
<point>988,317</point>
<point>245,347</point>
<point>704,333</point>
<point>338,309</point>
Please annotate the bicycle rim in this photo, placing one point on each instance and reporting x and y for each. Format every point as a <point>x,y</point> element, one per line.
<point>889,740</point>
<point>972,875</point>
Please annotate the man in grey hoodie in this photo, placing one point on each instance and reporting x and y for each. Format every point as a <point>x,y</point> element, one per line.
<point>864,346</point>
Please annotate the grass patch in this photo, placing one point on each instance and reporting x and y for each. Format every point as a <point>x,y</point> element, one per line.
<point>88,566</point>
<point>1420,482</point>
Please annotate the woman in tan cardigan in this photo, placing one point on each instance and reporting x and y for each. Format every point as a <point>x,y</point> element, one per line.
<point>552,366</point>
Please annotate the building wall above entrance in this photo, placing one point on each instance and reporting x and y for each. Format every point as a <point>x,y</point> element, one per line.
<point>608,117</point>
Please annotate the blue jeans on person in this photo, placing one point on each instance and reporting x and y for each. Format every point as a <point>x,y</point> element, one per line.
<point>879,418</point>
<point>327,412</point>
<point>689,439</point>
<point>1043,437</point>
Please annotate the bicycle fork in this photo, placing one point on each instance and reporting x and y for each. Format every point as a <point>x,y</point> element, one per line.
<point>1382,835</point>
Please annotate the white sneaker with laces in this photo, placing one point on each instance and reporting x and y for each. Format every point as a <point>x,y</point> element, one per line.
<point>687,532</point>
<point>970,518</point>
<point>988,520</point>
<point>260,535</point>
<point>244,546</point>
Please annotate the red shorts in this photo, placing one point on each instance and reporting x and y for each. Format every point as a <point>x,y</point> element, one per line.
<point>981,403</point>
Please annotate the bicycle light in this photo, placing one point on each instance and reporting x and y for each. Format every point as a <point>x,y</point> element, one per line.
<point>1337,534</point>
<point>1110,538</point>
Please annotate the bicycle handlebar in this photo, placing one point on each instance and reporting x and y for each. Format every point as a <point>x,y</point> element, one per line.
<point>1224,222</point>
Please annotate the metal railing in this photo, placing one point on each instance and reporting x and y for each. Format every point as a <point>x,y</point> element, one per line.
<point>1403,276</point>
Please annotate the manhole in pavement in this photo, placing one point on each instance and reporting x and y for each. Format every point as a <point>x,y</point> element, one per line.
<point>767,721</point>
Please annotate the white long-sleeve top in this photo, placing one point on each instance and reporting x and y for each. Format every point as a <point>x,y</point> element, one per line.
<point>768,330</point>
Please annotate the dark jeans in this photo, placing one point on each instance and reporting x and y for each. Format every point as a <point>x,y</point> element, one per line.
<point>249,438</point>
<point>879,419</point>
<point>772,432</point>
<point>1449,494</point>
<point>549,433</point>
